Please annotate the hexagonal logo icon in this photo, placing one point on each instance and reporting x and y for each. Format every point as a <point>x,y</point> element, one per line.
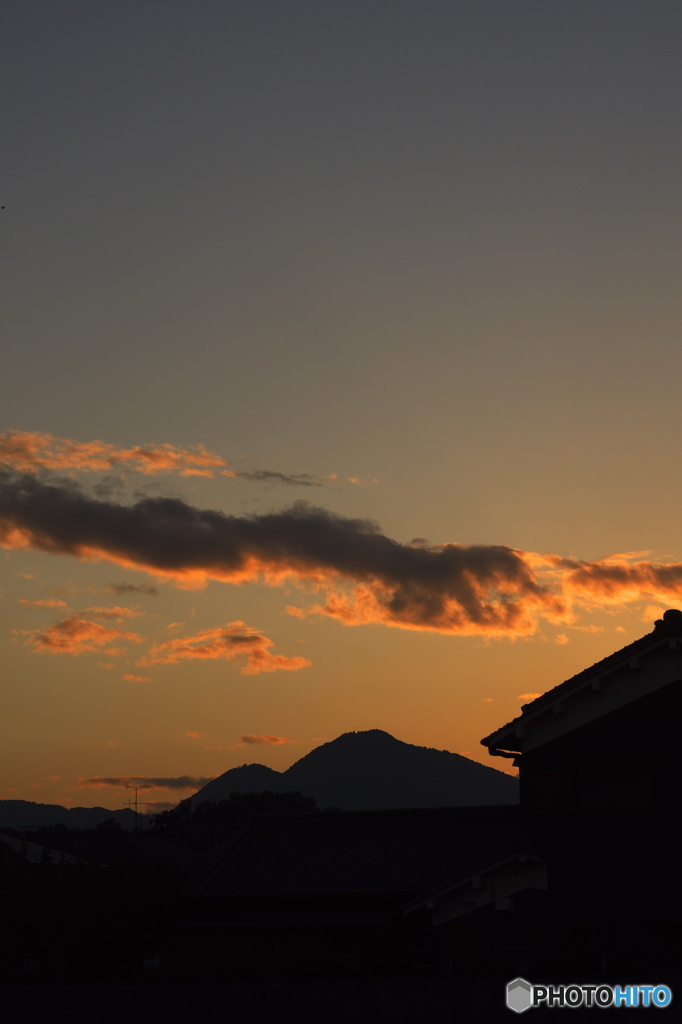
<point>519,995</point>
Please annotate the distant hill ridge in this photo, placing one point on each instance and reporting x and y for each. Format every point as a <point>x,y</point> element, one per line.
<point>372,770</point>
<point>357,771</point>
<point>27,814</point>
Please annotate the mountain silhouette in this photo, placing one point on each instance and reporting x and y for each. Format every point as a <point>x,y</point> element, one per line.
<point>248,778</point>
<point>27,814</point>
<point>372,771</point>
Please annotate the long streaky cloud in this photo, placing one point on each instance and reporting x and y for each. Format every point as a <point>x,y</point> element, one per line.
<point>27,452</point>
<point>250,739</point>
<point>234,642</point>
<point>271,476</point>
<point>43,602</point>
<point>143,782</point>
<point>365,576</point>
<point>30,451</point>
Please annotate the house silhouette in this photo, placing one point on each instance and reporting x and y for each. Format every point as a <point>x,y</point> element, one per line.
<point>581,880</point>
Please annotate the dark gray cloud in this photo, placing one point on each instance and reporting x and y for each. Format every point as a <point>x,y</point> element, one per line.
<point>130,588</point>
<point>368,577</point>
<point>144,782</point>
<point>295,479</point>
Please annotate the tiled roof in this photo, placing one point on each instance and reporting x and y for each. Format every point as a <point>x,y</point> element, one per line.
<point>369,852</point>
<point>668,627</point>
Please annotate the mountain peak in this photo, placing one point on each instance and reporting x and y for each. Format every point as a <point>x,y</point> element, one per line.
<point>372,770</point>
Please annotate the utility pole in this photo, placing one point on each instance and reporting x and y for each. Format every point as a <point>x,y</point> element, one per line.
<point>128,786</point>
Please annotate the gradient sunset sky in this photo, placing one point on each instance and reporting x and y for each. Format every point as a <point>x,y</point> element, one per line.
<point>340,375</point>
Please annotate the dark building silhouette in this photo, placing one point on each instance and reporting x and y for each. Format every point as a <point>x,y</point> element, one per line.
<point>581,879</point>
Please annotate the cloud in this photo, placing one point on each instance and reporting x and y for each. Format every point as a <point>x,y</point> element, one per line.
<point>235,641</point>
<point>528,696</point>
<point>75,636</point>
<point>130,588</point>
<point>115,613</point>
<point>294,479</point>
<point>271,476</point>
<point>144,782</point>
<point>192,735</point>
<point>28,452</point>
<point>136,679</point>
<point>365,576</point>
<point>46,602</point>
<point>274,741</point>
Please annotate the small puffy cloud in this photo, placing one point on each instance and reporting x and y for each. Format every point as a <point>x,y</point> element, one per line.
<point>486,700</point>
<point>528,696</point>
<point>74,636</point>
<point>274,741</point>
<point>44,602</point>
<point>234,642</point>
<point>130,588</point>
<point>651,612</point>
<point>144,782</point>
<point>193,735</point>
<point>129,678</point>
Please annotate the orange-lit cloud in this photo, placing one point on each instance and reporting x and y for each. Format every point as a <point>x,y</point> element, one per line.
<point>144,782</point>
<point>193,735</point>
<point>528,696</point>
<point>46,602</point>
<point>274,741</point>
<point>363,575</point>
<point>73,635</point>
<point>29,451</point>
<point>115,613</point>
<point>136,679</point>
<point>235,641</point>
<point>26,452</point>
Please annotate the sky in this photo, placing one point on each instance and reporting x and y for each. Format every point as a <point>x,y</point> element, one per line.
<point>340,373</point>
